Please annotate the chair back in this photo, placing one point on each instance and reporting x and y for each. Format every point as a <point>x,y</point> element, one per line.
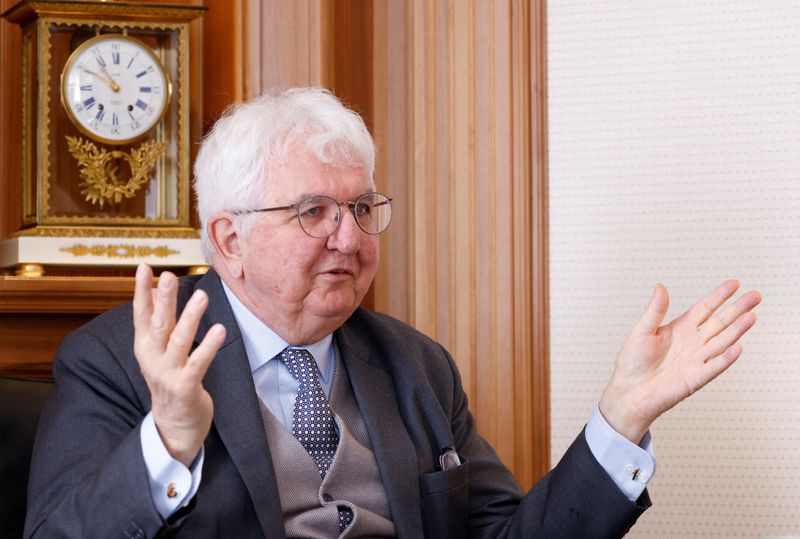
<point>21,403</point>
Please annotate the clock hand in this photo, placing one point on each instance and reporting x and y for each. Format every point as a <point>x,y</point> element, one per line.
<point>112,82</point>
<point>108,80</point>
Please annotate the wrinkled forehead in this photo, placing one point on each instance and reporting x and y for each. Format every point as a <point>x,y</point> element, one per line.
<point>319,146</point>
<point>302,172</point>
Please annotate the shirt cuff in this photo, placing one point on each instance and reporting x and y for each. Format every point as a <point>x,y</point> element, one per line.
<point>630,466</point>
<point>172,485</point>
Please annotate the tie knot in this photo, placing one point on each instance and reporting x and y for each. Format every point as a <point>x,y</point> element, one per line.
<point>301,365</point>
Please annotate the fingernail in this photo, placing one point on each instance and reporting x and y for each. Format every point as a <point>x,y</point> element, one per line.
<point>218,330</point>
<point>165,280</point>
<point>197,297</point>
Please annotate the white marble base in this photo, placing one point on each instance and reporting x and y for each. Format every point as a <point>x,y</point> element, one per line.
<point>109,252</point>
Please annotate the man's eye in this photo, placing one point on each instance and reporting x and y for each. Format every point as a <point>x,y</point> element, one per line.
<point>362,209</point>
<point>313,211</point>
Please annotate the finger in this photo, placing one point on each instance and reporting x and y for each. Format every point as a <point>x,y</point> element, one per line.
<point>183,335</point>
<point>204,354</point>
<point>729,336</point>
<point>718,322</point>
<point>721,363</point>
<point>654,313</point>
<point>142,298</point>
<point>163,318</point>
<point>701,310</point>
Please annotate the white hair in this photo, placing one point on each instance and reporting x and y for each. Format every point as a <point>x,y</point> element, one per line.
<point>236,154</point>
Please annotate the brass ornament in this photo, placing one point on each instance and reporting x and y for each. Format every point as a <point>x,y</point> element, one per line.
<point>29,270</point>
<point>119,251</point>
<point>198,270</point>
<point>107,232</point>
<point>101,178</point>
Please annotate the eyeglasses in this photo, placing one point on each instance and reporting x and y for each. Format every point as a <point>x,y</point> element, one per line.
<point>320,216</point>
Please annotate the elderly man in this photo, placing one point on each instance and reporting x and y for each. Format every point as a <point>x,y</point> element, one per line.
<point>275,406</point>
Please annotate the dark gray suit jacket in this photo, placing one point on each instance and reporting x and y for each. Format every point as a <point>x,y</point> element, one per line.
<point>88,477</point>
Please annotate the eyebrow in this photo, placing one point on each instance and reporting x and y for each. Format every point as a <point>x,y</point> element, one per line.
<point>305,196</point>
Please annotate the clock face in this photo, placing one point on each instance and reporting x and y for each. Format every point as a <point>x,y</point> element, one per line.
<point>114,88</point>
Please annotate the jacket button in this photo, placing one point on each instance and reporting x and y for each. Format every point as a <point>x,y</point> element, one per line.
<point>327,497</point>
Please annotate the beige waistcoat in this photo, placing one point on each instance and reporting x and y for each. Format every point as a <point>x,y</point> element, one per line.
<point>308,502</point>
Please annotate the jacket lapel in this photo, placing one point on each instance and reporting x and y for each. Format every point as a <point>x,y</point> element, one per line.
<point>394,451</point>
<point>236,411</point>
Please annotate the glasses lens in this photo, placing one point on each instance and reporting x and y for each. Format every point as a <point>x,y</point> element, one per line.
<point>373,212</point>
<point>318,216</point>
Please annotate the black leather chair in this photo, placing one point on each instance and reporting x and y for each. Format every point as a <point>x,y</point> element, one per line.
<point>21,403</point>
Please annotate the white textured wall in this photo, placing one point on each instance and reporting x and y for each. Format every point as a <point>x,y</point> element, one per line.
<point>674,139</point>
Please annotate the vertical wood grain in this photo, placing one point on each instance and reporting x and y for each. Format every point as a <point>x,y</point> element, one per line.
<point>10,125</point>
<point>294,42</point>
<point>392,63</point>
<point>537,261</point>
<point>474,180</point>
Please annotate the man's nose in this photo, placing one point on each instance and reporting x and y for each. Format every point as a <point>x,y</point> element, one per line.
<point>347,238</point>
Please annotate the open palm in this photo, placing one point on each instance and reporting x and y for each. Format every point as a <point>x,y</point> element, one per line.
<point>174,371</point>
<point>659,366</point>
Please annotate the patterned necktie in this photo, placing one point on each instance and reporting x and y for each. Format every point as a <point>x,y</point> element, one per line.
<point>313,420</point>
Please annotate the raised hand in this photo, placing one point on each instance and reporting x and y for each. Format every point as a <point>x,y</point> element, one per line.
<point>659,366</point>
<point>182,408</point>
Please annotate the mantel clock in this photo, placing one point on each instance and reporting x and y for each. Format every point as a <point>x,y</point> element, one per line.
<point>105,141</point>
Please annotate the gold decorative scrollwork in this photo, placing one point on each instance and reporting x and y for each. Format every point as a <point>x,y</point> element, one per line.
<point>119,251</point>
<point>100,176</point>
<point>106,232</point>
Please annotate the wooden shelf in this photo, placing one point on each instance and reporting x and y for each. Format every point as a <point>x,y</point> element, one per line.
<point>63,294</point>
<point>36,313</point>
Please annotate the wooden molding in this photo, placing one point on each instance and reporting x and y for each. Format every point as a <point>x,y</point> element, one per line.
<point>37,312</point>
<point>540,327</point>
<point>63,294</point>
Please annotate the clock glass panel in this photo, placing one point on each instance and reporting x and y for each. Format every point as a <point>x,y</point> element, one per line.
<point>116,91</point>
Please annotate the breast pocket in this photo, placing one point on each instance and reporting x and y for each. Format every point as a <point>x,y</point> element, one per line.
<point>445,502</point>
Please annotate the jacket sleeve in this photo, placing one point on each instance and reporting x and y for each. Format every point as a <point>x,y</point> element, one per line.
<point>481,498</point>
<point>576,499</point>
<point>88,477</point>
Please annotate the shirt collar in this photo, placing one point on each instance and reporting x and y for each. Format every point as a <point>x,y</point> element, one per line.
<point>262,344</point>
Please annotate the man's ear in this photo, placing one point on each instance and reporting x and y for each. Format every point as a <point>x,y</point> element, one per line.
<point>223,235</point>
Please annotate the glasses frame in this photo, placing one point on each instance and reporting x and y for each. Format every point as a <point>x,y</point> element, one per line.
<point>351,205</point>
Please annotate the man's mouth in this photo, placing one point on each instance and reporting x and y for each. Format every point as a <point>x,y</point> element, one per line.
<point>339,271</point>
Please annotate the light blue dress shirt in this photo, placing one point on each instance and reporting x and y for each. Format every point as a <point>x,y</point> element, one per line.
<point>629,466</point>
<point>275,385</point>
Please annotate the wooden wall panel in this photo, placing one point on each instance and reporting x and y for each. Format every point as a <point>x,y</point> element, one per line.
<point>459,113</point>
<point>288,43</point>
<point>223,74</point>
<point>10,124</point>
<point>395,163</point>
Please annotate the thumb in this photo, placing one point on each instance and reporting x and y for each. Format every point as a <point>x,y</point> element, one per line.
<point>655,312</point>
